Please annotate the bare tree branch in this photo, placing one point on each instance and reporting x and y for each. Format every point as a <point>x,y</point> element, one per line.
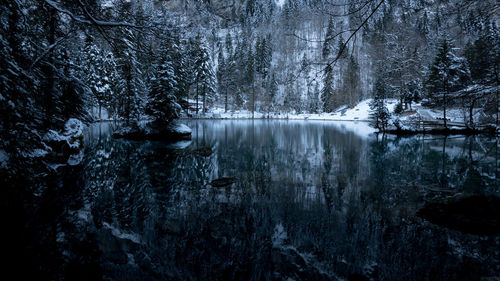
<point>91,20</point>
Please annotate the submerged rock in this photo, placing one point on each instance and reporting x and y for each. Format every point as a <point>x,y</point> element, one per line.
<point>475,214</point>
<point>155,131</point>
<point>222,182</point>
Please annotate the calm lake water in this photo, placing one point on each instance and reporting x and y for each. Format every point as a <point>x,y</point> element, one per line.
<point>305,200</point>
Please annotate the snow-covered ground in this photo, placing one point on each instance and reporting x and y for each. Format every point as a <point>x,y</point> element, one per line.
<point>361,112</point>
<point>408,120</point>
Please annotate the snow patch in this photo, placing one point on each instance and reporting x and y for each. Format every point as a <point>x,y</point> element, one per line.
<point>36,153</point>
<point>181,129</point>
<point>279,235</point>
<point>180,144</point>
<point>73,128</point>
<point>360,112</point>
<point>120,234</point>
<point>75,159</point>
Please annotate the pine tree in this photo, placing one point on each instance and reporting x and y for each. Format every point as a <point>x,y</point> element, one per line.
<point>229,44</point>
<point>342,50</point>
<point>328,43</point>
<point>222,76</point>
<point>313,97</point>
<point>71,99</point>
<point>204,78</point>
<point>162,105</point>
<point>131,83</point>
<point>351,82</point>
<point>327,92</point>
<point>250,79</point>
<point>272,91</point>
<point>380,113</point>
<point>100,74</point>
<point>181,67</point>
<point>447,74</point>
<point>18,107</point>
<point>483,57</point>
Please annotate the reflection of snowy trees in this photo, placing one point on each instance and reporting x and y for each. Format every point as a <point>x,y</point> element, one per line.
<point>340,199</point>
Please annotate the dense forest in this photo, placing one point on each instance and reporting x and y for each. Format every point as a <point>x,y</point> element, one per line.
<point>133,59</point>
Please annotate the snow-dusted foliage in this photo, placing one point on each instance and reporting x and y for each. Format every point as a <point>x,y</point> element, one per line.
<point>100,75</point>
<point>162,105</point>
<point>380,113</point>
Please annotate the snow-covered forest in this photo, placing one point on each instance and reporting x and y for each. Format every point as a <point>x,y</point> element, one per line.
<point>129,60</point>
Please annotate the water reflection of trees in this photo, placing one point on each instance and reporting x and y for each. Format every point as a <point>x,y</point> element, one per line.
<point>346,203</point>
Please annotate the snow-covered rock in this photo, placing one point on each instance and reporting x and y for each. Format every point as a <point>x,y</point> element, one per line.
<point>65,147</point>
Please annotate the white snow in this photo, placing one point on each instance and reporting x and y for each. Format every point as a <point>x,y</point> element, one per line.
<point>52,135</point>
<point>181,128</point>
<point>36,153</point>
<point>120,234</point>
<point>361,112</point>
<point>75,159</point>
<point>408,120</point>
<point>279,235</point>
<point>73,128</point>
<point>180,144</point>
<point>73,132</point>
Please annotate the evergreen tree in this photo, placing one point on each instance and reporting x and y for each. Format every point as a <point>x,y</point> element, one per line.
<point>18,107</point>
<point>483,57</point>
<point>327,92</point>
<point>380,113</point>
<point>272,91</point>
<point>204,78</point>
<point>447,74</point>
<point>100,75</point>
<point>181,67</point>
<point>351,82</point>
<point>328,42</point>
<point>222,76</point>
<point>313,97</point>
<point>342,50</point>
<point>131,81</point>
<point>229,44</point>
<point>71,98</point>
<point>162,105</point>
<point>250,79</point>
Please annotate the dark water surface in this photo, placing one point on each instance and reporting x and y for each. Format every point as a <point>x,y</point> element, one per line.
<point>303,200</point>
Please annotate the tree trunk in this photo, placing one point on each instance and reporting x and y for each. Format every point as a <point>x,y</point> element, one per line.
<point>471,113</point>
<point>444,109</point>
<point>225,102</point>
<point>197,98</point>
<point>496,94</point>
<point>253,101</point>
<point>49,72</point>
<point>204,100</point>
<point>129,93</point>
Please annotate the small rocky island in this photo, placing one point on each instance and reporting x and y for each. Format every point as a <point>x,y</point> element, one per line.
<point>153,131</point>
<point>163,111</point>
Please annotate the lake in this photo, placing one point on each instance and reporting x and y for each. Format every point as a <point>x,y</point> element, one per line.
<point>265,200</point>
